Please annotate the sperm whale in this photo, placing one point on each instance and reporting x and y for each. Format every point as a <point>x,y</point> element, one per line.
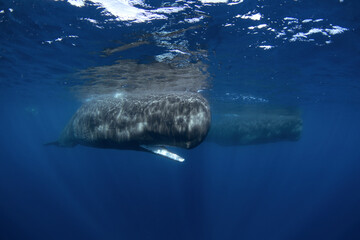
<point>138,122</point>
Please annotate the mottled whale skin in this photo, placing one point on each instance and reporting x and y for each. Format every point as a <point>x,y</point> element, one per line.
<point>172,119</point>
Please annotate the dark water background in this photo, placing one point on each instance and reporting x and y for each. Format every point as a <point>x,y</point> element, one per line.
<point>288,190</point>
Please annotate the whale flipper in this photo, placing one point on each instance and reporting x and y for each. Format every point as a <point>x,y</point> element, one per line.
<point>162,151</point>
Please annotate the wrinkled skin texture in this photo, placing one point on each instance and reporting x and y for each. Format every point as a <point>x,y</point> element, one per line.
<point>173,119</point>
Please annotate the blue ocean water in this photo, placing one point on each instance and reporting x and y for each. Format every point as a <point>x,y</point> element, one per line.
<point>301,54</point>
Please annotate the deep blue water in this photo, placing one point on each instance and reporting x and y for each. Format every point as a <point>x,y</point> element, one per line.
<point>308,189</point>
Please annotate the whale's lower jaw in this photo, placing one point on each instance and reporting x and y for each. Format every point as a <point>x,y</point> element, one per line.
<point>162,151</point>
<point>174,119</point>
<point>158,150</point>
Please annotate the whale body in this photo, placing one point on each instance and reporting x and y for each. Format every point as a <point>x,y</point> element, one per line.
<point>255,125</point>
<point>140,122</point>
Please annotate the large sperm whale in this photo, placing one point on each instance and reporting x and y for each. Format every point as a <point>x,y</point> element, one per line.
<point>147,122</point>
<point>255,124</point>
